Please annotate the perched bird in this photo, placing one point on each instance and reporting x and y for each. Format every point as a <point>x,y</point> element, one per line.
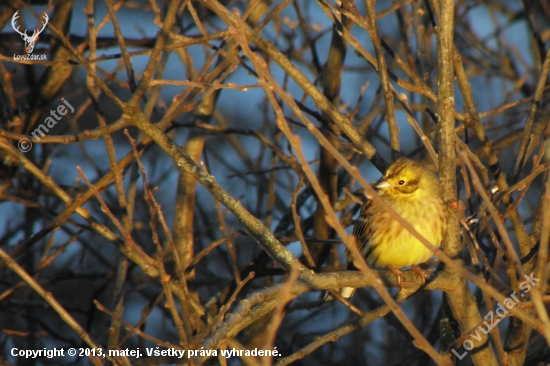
<point>412,191</point>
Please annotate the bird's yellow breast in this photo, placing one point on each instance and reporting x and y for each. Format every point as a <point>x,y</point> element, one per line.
<point>392,244</point>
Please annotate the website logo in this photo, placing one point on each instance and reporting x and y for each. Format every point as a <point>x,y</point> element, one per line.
<point>30,41</point>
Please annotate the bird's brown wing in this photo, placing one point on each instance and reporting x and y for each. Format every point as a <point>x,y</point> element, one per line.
<point>362,230</point>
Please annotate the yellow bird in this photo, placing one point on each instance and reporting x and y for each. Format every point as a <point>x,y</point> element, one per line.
<point>412,191</point>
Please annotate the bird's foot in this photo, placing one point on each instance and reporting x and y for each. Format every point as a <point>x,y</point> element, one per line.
<point>422,274</point>
<point>399,275</point>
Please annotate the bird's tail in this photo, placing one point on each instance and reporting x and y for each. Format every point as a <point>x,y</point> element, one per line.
<point>345,292</point>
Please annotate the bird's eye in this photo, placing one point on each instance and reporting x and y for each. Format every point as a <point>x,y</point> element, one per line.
<point>401,182</point>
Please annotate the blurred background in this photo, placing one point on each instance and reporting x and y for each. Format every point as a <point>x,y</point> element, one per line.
<point>211,103</point>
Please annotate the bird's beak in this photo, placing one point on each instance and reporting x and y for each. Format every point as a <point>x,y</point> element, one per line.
<point>383,185</point>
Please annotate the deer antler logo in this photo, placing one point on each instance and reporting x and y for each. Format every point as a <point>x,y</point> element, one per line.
<point>29,41</point>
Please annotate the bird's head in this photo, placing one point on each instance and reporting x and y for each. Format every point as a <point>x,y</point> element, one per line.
<point>406,178</point>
